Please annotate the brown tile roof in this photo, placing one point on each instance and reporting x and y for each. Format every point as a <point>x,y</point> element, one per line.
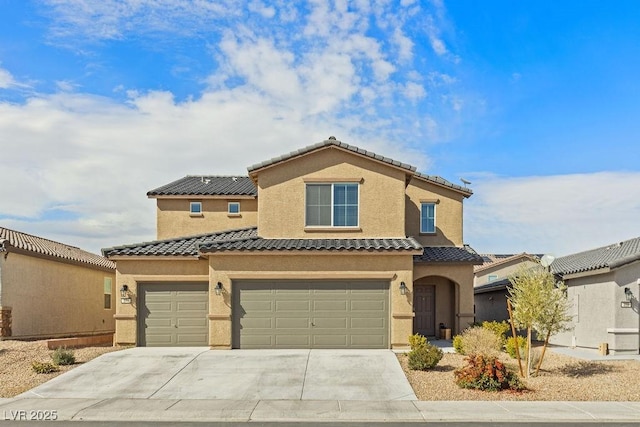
<point>493,260</point>
<point>15,241</point>
<point>444,183</point>
<point>328,143</point>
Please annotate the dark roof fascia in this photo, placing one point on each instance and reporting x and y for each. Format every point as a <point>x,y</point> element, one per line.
<point>253,169</point>
<point>498,285</point>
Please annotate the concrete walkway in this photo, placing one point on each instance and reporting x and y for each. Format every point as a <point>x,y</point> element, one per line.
<point>198,385</point>
<point>213,410</point>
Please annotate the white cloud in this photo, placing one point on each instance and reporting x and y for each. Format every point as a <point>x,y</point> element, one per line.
<point>561,214</point>
<point>6,79</point>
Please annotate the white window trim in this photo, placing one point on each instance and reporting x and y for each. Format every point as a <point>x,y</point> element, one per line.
<point>229,213</point>
<point>191,212</point>
<point>435,217</point>
<point>337,227</point>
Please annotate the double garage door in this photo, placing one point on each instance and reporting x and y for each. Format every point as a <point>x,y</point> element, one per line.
<point>310,314</point>
<point>270,314</point>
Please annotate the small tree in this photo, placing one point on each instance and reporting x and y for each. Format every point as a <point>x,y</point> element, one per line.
<point>539,304</point>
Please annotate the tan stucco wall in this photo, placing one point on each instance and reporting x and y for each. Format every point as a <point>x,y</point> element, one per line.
<point>281,195</point>
<point>228,268</point>
<point>174,219</point>
<point>134,272</point>
<point>54,299</point>
<point>462,276</point>
<point>503,271</point>
<point>448,213</point>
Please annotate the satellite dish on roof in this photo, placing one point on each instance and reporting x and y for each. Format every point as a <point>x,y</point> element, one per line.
<point>546,260</point>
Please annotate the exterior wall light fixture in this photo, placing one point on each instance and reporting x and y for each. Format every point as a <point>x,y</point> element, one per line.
<point>218,288</point>
<point>628,295</point>
<point>403,288</point>
<point>125,298</point>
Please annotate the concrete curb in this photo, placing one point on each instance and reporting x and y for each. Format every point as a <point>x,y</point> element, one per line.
<point>167,410</point>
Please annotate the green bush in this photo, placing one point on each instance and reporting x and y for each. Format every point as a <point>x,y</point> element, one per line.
<point>457,344</point>
<point>488,374</point>
<point>478,340</point>
<point>510,346</point>
<point>44,367</point>
<point>417,340</point>
<point>62,356</point>
<point>424,357</point>
<point>498,328</point>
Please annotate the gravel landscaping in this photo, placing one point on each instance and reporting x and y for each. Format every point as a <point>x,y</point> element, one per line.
<point>16,357</point>
<point>561,378</point>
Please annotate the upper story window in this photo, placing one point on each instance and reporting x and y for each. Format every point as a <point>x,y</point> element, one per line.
<point>233,208</point>
<point>427,217</point>
<point>332,205</point>
<point>492,277</point>
<point>107,292</point>
<point>195,208</point>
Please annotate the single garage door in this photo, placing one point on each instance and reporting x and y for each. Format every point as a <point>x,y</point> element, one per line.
<point>174,315</point>
<point>310,314</point>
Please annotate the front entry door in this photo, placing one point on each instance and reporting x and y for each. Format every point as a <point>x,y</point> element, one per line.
<point>424,305</point>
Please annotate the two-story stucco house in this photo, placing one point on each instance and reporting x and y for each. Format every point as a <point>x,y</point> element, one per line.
<point>330,246</point>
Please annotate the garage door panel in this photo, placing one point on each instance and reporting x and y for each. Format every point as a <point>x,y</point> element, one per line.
<point>330,305</point>
<point>368,323</point>
<point>292,323</point>
<point>174,314</point>
<point>310,314</point>
<point>293,305</point>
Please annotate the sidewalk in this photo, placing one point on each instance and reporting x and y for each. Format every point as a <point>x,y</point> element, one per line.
<point>169,410</point>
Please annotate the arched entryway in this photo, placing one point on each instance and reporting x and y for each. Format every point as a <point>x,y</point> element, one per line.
<point>434,303</point>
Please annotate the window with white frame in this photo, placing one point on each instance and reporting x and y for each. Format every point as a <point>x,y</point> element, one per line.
<point>332,205</point>
<point>195,208</point>
<point>233,208</point>
<point>107,292</point>
<point>427,217</point>
<point>492,277</point>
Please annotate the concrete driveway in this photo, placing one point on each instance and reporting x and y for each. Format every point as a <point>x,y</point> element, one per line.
<point>200,373</point>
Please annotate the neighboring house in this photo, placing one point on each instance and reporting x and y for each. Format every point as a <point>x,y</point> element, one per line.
<point>311,250</point>
<point>49,289</point>
<point>491,282</point>
<point>603,287</point>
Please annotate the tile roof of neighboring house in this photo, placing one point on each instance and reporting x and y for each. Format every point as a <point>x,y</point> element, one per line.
<point>260,244</point>
<point>493,260</point>
<point>449,254</point>
<point>246,239</point>
<point>11,241</point>
<point>192,185</point>
<point>181,246</point>
<point>612,256</point>
<point>443,182</point>
<point>328,143</point>
<point>497,285</point>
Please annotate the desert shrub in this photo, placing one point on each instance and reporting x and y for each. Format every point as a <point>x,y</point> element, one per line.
<point>44,367</point>
<point>480,341</point>
<point>498,328</point>
<point>457,344</point>
<point>424,357</point>
<point>417,340</point>
<point>486,373</point>
<point>510,346</point>
<point>62,356</point>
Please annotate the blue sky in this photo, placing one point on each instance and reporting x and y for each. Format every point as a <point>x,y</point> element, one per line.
<point>535,102</point>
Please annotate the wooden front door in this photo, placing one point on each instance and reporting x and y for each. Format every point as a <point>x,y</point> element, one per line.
<point>424,306</point>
